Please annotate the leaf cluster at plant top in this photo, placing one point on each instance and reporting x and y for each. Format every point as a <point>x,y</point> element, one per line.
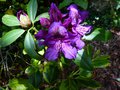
<point>62,74</point>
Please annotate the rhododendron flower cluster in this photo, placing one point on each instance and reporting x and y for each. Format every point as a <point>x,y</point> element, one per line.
<point>64,32</point>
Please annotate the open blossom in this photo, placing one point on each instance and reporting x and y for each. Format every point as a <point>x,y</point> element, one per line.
<point>23,19</point>
<point>64,32</point>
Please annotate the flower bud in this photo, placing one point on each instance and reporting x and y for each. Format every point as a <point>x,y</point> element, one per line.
<point>24,19</point>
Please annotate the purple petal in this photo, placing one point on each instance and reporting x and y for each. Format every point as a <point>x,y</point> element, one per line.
<point>67,22</point>
<point>45,22</point>
<point>41,34</point>
<point>74,14</point>
<point>55,14</point>
<point>57,30</point>
<point>51,53</point>
<point>84,14</point>
<point>72,7</point>
<point>82,30</point>
<point>69,51</point>
<point>79,44</point>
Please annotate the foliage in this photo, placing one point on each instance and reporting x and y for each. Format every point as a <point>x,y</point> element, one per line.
<point>62,74</point>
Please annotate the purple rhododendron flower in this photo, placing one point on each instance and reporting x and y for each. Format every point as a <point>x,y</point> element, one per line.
<point>64,32</point>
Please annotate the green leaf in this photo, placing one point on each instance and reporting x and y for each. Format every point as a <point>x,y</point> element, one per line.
<point>79,57</point>
<point>10,37</point>
<point>118,79</point>
<point>2,88</point>
<point>104,35</point>
<point>101,61</point>
<point>29,46</point>
<point>50,72</point>
<point>88,82</point>
<point>30,70</point>
<point>86,60</point>
<point>32,9</point>
<point>69,85</point>
<point>10,20</point>
<point>85,73</point>
<point>20,84</point>
<point>92,35</point>
<point>82,3</point>
<point>118,4</point>
<point>43,15</point>
<point>35,63</point>
<point>35,79</point>
<point>65,3</point>
<point>2,0</point>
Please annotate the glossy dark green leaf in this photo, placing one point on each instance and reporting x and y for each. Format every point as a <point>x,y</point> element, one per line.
<point>10,37</point>
<point>35,79</point>
<point>50,72</point>
<point>86,60</point>
<point>65,3</point>
<point>88,82</point>
<point>32,9</point>
<point>30,47</point>
<point>43,15</point>
<point>10,20</point>
<point>68,85</point>
<point>86,64</point>
<point>82,3</point>
<point>101,61</point>
<point>104,35</point>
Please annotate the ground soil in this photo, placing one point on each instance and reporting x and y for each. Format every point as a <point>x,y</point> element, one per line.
<point>107,77</point>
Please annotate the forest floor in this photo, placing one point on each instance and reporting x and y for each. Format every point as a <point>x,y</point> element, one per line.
<point>107,77</point>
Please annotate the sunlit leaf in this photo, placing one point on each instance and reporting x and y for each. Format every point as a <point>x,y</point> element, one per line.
<point>20,84</point>
<point>10,20</point>
<point>10,37</point>
<point>32,9</point>
<point>79,57</point>
<point>92,35</point>
<point>118,79</point>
